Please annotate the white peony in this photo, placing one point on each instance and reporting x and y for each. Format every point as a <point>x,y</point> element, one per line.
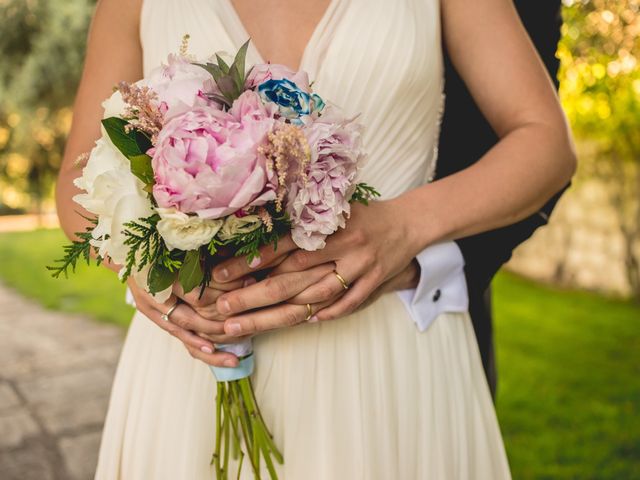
<point>183,232</point>
<point>114,195</point>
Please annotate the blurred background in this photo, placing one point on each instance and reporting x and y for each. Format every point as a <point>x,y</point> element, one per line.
<point>567,305</point>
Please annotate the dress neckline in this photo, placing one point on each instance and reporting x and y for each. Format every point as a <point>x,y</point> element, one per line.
<point>325,23</point>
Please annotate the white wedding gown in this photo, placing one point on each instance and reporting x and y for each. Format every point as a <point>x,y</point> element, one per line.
<point>364,397</point>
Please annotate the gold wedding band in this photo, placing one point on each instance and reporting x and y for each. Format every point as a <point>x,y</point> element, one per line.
<point>342,281</point>
<point>165,316</point>
<point>309,312</point>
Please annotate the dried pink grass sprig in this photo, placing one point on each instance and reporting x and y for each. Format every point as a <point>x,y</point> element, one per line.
<point>141,109</point>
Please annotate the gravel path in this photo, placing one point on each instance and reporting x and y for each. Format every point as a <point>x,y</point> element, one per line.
<point>55,375</point>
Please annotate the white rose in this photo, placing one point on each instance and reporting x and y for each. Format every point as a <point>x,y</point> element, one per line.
<point>113,106</point>
<point>239,225</point>
<point>183,232</point>
<point>114,195</point>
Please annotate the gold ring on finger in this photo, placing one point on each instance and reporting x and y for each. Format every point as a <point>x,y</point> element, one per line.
<point>309,312</point>
<point>165,316</point>
<point>341,279</point>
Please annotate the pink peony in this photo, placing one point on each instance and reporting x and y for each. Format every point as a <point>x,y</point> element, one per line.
<point>319,204</point>
<point>180,86</point>
<point>273,71</point>
<point>206,161</point>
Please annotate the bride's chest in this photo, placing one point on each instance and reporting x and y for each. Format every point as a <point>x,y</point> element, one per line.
<point>390,49</point>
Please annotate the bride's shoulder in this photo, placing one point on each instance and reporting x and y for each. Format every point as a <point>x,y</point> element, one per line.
<point>124,12</point>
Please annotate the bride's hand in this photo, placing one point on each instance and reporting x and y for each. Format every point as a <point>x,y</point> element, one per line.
<point>373,248</point>
<point>192,314</point>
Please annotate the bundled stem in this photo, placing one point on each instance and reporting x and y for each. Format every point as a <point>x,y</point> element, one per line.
<point>240,431</point>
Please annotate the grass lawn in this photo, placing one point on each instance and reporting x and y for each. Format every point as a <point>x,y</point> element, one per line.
<point>569,362</point>
<point>96,291</point>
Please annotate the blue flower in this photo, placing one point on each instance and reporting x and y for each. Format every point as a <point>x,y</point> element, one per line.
<point>292,101</point>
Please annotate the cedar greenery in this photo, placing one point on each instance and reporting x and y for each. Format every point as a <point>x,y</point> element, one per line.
<point>145,245</point>
<point>364,193</point>
<point>248,244</point>
<point>75,251</point>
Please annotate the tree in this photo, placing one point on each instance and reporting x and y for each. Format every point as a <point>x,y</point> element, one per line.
<point>600,90</point>
<point>41,56</point>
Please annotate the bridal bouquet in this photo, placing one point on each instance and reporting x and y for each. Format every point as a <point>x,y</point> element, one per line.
<point>203,157</point>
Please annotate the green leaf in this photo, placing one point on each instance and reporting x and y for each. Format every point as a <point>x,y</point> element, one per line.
<point>240,60</point>
<point>222,64</point>
<point>160,278</point>
<point>143,141</point>
<point>141,168</point>
<point>238,81</point>
<point>191,273</point>
<point>227,87</point>
<point>213,69</point>
<point>125,142</point>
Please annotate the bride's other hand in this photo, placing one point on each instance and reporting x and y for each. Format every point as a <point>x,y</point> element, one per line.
<point>185,320</point>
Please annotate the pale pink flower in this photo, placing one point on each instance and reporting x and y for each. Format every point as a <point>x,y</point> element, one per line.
<point>273,71</point>
<point>180,86</point>
<point>207,161</point>
<point>318,202</point>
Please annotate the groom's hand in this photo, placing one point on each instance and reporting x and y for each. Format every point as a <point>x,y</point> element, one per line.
<point>291,296</point>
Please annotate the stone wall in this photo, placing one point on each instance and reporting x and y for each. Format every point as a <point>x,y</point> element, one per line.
<point>582,246</point>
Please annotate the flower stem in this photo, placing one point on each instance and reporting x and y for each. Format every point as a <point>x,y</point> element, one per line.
<point>239,425</point>
<point>219,428</point>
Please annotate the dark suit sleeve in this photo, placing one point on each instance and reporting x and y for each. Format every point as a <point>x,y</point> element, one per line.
<point>485,253</point>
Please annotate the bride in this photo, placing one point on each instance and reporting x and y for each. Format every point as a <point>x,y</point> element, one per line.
<point>369,395</point>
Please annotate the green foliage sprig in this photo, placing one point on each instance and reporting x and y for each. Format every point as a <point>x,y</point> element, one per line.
<point>248,244</point>
<point>145,244</point>
<point>230,79</point>
<point>364,194</point>
<point>77,250</point>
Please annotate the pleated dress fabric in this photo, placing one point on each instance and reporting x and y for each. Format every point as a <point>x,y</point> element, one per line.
<point>364,397</point>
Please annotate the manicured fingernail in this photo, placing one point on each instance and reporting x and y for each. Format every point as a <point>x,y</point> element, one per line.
<point>229,363</point>
<point>255,262</point>
<point>221,274</point>
<point>206,349</point>
<point>313,319</point>
<point>224,307</point>
<point>249,281</point>
<point>233,328</point>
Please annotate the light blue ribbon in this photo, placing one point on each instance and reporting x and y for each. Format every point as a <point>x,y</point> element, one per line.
<point>229,374</point>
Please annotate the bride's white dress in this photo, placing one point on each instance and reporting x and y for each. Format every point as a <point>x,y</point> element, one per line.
<point>364,397</point>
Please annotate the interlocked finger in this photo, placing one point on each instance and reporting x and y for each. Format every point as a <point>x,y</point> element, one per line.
<point>271,291</point>
<point>280,316</point>
<point>197,346</point>
<point>187,318</point>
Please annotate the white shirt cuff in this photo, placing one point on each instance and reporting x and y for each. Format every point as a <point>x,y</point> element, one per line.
<point>128,298</point>
<point>442,286</point>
